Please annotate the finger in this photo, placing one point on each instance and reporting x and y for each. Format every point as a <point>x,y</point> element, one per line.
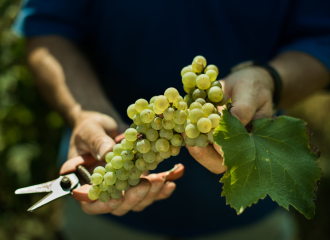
<point>157,182</point>
<point>133,196</point>
<point>119,137</point>
<point>99,207</point>
<point>178,173</point>
<point>166,190</point>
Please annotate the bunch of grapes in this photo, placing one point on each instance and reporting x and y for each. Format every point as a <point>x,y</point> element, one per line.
<point>156,133</point>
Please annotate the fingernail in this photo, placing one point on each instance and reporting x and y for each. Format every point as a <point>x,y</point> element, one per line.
<point>103,149</point>
<point>169,185</point>
<point>141,192</point>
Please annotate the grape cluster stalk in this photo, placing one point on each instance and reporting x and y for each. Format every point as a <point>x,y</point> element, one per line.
<point>156,132</point>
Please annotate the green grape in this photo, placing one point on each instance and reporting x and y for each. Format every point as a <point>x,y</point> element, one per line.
<point>152,134</point>
<point>180,117</point>
<point>110,178</point>
<point>197,66</point>
<point>109,156</point>
<point>133,182</point>
<point>189,79</point>
<point>141,165</point>
<point>161,103</point>
<point>133,125</point>
<point>191,93</point>
<point>179,128</point>
<point>186,123</point>
<point>131,134</point>
<point>152,166</point>
<point>127,145</point>
<point>141,104</point>
<point>117,162</point>
<point>186,98</point>
<point>157,123</point>
<point>142,128</point>
<point>112,188</point>
<point>143,146</point>
<point>139,155</point>
<point>198,93</point>
<point>190,101</point>
<point>168,124</point>
<point>110,168</point>
<point>166,154</point>
<point>96,178</point>
<point>151,106</point>
<point>117,149</point>
<point>104,196</point>
<point>188,89</point>
<point>165,133</point>
<point>175,150</point>
<point>169,113</point>
<point>152,100</point>
<point>153,146</point>
<point>116,195</point>
<point>128,165</point>
<point>149,157</point>
<point>135,173</point>
<point>148,125</point>
<point>159,158</point>
<point>190,141</point>
<point>186,69</point>
<point>93,192</point>
<point>201,59</point>
<point>100,170</point>
<point>162,145</point>
<point>176,140</point>
<point>216,84</point>
<point>182,106</point>
<point>157,111</point>
<point>127,155</point>
<point>204,125</point>
<point>128,186</point>
<point>212,67</point>
<point>147,115</point>
<point>122,174</point>
<point>201,101</point>
<point>195,114</point>
<point>203,81</point>
<point>202,141</point>
<point>121,185</point>
<point>172,94</point>
<point>215,94</point>
<point>195,105</point>
<point>131,111</point>
<point>103,186</point>
<point>180,99</point>
<point>192,130</point>
<point>137,119</point>
<point>208,108</point>
<point>135,147</point>
<point>215,119</point>
<point>223,101</point>
<point>212,75</point>
<point>210,135</point>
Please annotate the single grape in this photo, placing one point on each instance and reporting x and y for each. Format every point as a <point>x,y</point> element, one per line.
<point>112,188</point>
<point>182,106</point>
<point>117,149</point>
<point>110,178</point>
<point>116,195</point>
<point>104,196</point>
<point>157,111</point>
<point>189,79</point>
<point>186,98</point>
<point>223,101</point>
<point>162,145</point>
<point>192,130</point>
<point>175,150</point>
<point>169,113</point>
<point>147,115</point>
<point>109,156</point>
<point>180,117</point>
<point>186,69</point>
<point>152,100</point>
<point>151,106</point>
<point>212,75</point>
<point>127,155</point>
<point>148,125</point>
<point>122,174</point>
<point>110,168</point>
<point>96,178</point>
<point>179,128</point>
<point>210,135</point>
<point>157,123</point>
<point>159,158</point>
<point>93,192</point>
<point>202,141</point>
<point>176,140</point>
<point>149,157</point>
<point>103,186</point>
<point>201,59</point>
<point>208,108</point>
<point>133,182</point>
<point>128,165</point>
<point>100,170</point>
<point>188,89</point>
<point>195,114</point>
<point>186,123</point>
<point>215,119</point>
<point>166,154</point>
<point>142,128</point>
<point>153,146</point>
<point>161,103</point>
<point>204,125</point>
<point>121,185</point>
<point>172,94</point>
<point>197,66</point>
<point>152,166</point>
<point>141,104</point>
<point>201,101</point>
<point>198,93</point>
<point>168,124</point>
<point>135,147</point>
<point>165,133</point>
<point>190,101</point>
<point>216,84</point>
<point>190,141</point>
<point>127,145</point>
<point>133,125</point>
<point>135,173</point>
<point>212,67</point>
<point>143,146</point>
<point>180,99</point>
<point>195,105</point>
<point>152,134</point>
<point>131,111</point>
<point>215,94</point>
<point>117,162</point>
<point>139,155</point>
<point>137,119</point>
<point>131,134</point>
<point>141,165</point>
<point>203,81</point>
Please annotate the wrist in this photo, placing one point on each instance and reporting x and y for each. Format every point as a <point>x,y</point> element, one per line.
<point>74,115</point>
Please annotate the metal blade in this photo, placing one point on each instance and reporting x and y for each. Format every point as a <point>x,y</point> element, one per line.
<point>43,187</point>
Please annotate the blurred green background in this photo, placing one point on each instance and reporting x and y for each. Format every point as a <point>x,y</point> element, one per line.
<point>30,134</point>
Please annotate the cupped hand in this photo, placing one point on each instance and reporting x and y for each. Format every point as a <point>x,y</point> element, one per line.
<point>251,91</point>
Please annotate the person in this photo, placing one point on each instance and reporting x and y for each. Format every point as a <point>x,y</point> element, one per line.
<point>92,59</point>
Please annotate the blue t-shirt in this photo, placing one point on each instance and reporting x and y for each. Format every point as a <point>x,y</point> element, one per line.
<point>138,49</point>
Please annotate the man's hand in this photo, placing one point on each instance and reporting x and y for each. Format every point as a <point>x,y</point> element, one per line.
<point>251,92</point>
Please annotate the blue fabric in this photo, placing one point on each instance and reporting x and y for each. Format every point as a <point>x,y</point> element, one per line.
<point>138,49</point>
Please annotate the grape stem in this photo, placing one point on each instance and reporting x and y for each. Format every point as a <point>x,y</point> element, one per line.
<point>170,171</point>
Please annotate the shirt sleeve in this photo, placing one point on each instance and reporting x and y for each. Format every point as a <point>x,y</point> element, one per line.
<point>68,18</point>
<point>307,29</point>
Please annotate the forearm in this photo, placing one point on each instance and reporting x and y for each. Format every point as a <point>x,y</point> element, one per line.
<point>65,78</point>
<point>301,74</point>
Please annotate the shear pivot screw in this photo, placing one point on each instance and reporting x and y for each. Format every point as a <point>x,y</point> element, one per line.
<point>65,182</point>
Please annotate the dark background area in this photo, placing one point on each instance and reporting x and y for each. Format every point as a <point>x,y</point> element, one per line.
<point>30,134</point>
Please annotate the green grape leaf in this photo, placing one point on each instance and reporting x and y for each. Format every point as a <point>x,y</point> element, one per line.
<point>275,158</point>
